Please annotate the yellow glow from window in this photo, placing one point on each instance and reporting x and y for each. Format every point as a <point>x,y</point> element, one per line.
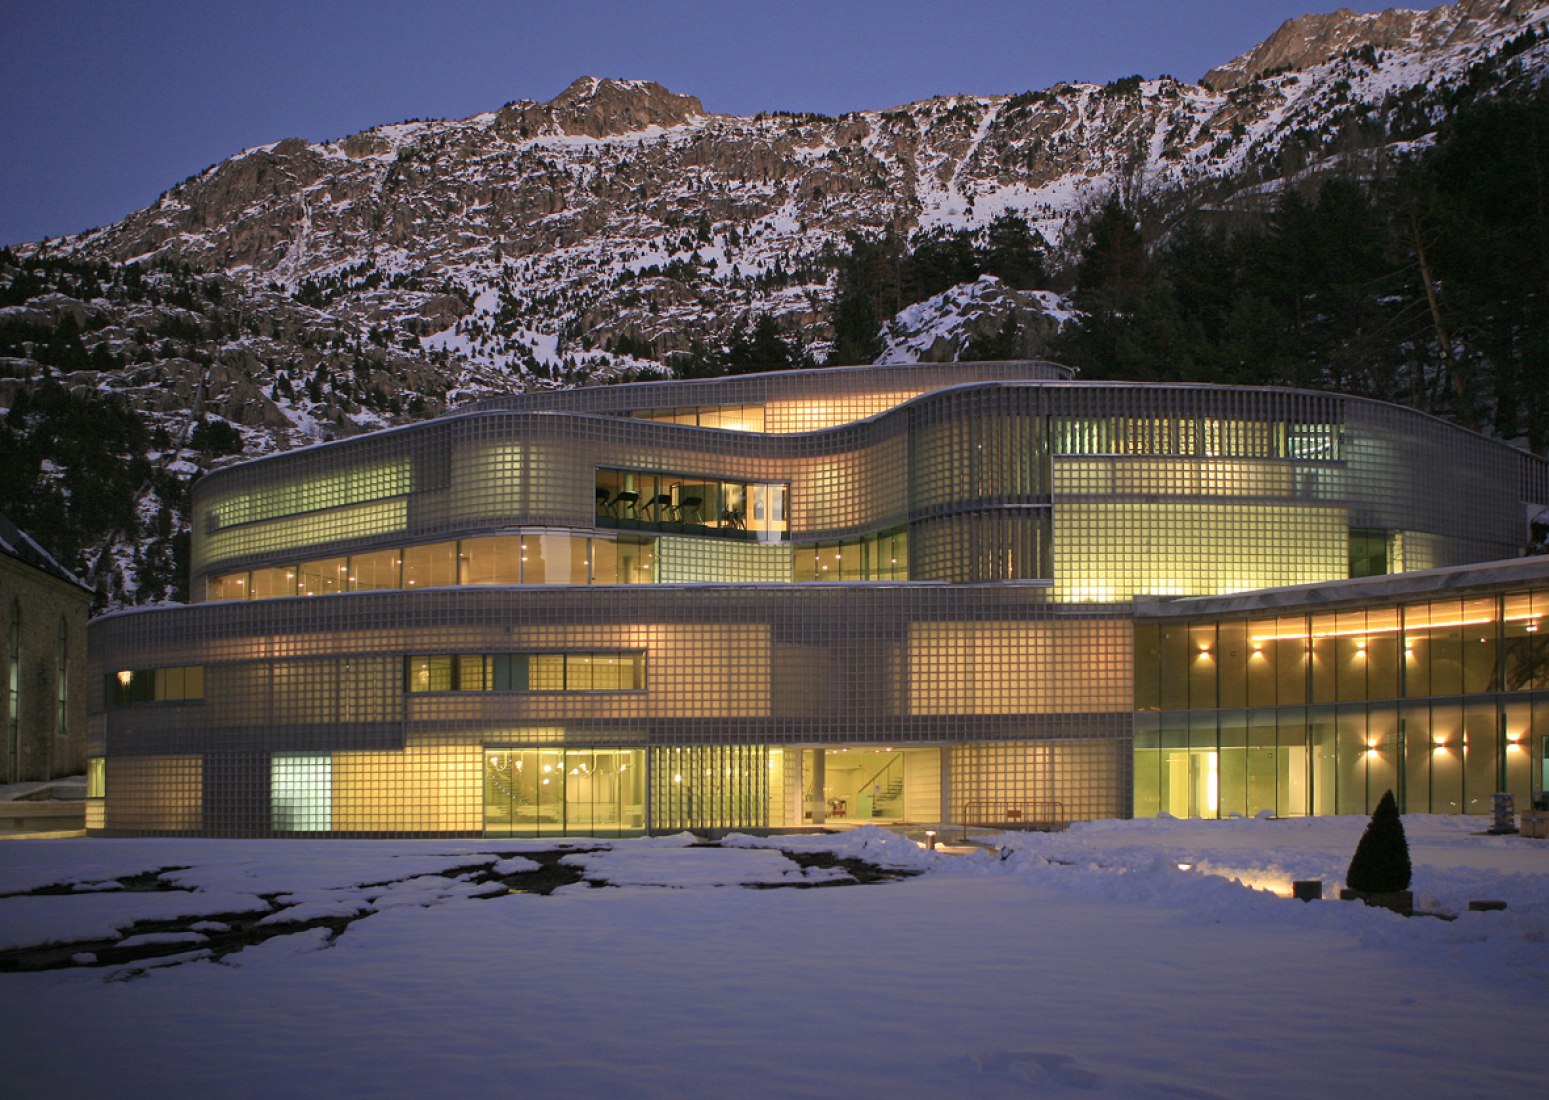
<point>1355,631</point>
<point>373,481</point>
<point>1130,548</point>
<point>1091,593</point>
<point>296,533</point>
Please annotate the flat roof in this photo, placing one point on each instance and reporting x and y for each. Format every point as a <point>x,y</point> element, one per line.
<point>1391,588</point>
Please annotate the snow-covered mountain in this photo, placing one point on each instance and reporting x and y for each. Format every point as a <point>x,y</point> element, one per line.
<point>620,209</point>
<point>603,231</point>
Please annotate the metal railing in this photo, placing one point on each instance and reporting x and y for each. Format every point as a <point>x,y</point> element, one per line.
<point>1047,815</point>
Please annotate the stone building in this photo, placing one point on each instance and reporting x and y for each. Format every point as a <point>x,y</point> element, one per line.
<point>43,612</point>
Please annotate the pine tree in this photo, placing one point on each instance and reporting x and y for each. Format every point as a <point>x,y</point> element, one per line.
<point>1381,861</point>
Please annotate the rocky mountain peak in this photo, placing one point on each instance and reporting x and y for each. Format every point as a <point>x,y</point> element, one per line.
<point>1315,39</point>
<point>599,107</point>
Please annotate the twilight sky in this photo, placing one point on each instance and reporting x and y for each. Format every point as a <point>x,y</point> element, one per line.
<point>104,104</point>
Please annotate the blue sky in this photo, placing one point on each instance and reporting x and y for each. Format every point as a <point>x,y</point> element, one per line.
<point>103,105</point>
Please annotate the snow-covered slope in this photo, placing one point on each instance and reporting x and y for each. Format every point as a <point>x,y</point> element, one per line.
<point>944,327</point>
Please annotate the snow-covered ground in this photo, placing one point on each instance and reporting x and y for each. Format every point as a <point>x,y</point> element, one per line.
<point>1085,963</point>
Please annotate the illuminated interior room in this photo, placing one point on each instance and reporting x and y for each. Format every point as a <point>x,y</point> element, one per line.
<point>981,594</point>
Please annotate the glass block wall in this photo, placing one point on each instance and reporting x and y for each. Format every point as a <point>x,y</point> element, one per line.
<point>796,569</point>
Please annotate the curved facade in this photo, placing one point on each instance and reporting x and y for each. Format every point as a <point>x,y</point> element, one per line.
<point>880,593</point>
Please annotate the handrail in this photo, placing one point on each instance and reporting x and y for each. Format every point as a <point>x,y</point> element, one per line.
<point>899,759</point>
<point>1015,813</point>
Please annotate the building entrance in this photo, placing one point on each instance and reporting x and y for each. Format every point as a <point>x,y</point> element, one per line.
<point>866,786</point>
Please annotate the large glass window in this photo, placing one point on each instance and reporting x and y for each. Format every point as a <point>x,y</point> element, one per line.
<point>692,504</point>
<point>322,578</point>
<point>883,557</point>
<point>156,685</point>
<point>1526,665</point>
<point>528,558</point>
<point>585,671</point>
<point>380,570</point>
<point>588,791</point>
<point>730,418</point>
<point>495,560</point>
<point>554,559</point>
<point>432,566</point>
<point>266,584</point>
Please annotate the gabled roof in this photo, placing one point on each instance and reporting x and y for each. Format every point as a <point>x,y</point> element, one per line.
<point>24,548</point>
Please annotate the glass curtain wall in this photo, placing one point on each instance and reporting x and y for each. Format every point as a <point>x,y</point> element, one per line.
<point>1444,702</point>
<point>591,791</point>
<point>532,557</point>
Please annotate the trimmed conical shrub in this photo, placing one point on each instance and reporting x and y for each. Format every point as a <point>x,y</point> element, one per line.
<point>1381,861</point>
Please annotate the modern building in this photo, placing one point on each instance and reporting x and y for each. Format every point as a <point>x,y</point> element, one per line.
<point>43,612</point>
<point>775,601</point>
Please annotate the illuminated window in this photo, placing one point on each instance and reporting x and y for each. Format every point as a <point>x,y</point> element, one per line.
<point>587,671</point>
<point>62,679</point>
<point>301,793</point>
<point>693,504</point>
<point>156,685</point>
<point>310,494</point>
<point>883,557</point>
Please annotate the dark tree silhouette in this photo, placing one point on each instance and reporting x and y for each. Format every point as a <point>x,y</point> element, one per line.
<point>1381,861</point>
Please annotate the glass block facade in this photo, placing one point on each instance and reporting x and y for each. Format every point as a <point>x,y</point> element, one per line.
<point>771,601</point>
